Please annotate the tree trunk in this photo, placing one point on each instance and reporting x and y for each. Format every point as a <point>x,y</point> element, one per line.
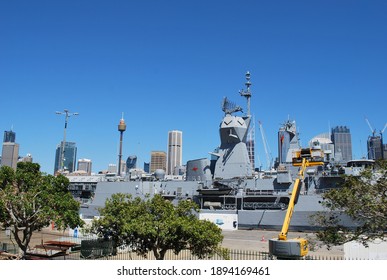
<point>23,241</point>
<point>159,255</point>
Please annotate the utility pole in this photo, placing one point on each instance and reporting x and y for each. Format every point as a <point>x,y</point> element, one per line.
<point>67,115</point>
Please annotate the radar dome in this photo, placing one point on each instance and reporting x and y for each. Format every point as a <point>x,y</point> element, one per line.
<point>159,174</point>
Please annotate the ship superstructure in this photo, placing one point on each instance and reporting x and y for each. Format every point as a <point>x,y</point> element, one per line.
<point>232,156</point>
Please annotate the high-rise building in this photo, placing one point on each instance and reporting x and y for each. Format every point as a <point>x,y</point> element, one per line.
<point>146,167</point>
<point>341,138</point>
<point>175,147</point>
<point>9,136</point>
<point>85,164</point>
<point>10,152</point>
<point>375,147</point>
<point>131,163</point>
<point>112,168</point>
<point>158,161</point>
<point>70,157</point>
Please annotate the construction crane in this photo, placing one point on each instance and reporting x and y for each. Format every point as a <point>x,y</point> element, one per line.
<point>373,150</point>
<point>297,248</point>
<point>384,128</point>
<point>373,131</point>
<point>266,147</point>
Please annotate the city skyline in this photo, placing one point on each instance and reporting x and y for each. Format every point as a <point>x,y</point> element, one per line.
<point>320,63</point>
<point>343,142</point>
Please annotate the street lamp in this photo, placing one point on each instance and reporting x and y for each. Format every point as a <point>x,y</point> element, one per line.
<point>67,115</point>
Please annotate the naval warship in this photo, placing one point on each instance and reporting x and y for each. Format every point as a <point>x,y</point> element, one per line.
<point>226,187</point>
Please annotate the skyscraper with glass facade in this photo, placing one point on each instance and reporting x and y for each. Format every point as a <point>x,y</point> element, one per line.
<point>10,151</point>
<point>70,157</point>
<point>375,147</point>
<point>131,162</point>
<point>341,138</point>
<point>9,136</point>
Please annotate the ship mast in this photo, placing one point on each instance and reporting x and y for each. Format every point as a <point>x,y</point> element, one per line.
<point>246,93</point>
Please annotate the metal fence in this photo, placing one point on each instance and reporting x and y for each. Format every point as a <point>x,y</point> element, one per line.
<point>92,249</point>
<point>186,255</point>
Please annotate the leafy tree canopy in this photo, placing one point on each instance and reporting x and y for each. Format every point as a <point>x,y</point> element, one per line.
<point>364,199</point>
<point>31,200</point>
<point>156,225</point>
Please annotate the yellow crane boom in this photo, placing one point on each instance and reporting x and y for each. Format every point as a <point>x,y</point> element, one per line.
<point>282,247</point>
<point>296,189</point>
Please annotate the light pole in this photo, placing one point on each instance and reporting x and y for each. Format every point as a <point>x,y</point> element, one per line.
<point>67,115</point>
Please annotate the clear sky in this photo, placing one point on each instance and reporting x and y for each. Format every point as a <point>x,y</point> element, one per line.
<point>168,64</point>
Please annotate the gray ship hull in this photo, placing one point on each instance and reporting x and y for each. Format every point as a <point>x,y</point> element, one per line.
<point>269,218</point>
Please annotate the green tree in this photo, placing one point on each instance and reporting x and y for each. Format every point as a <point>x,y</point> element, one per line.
<point>156,225</point>
<point>31,200</point>
<point>362,198</point>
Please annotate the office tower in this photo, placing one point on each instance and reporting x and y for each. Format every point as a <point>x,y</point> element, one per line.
<point>158,161</point>
<point>341,138</point>
<point>70,157</point>
<point>375,147</point>
<point>10,154</point>
<point>131,162</point>
<point>175,147</point>
<point>10,151</point>
<point>85,164</point>
<point>146,167</point>
<point>9,136</point>
<point>112,168</point>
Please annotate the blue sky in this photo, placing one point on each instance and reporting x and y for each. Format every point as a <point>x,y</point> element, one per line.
<point>168,64</point>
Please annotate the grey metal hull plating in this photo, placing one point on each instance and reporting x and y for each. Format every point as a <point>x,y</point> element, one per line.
<point>177,190</point>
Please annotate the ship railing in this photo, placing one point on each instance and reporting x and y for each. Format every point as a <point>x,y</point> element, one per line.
<point>250,192</point>
<point>331,174</point>
<point>229,206</point>
<point>263,205</point>
<point>259,192</point>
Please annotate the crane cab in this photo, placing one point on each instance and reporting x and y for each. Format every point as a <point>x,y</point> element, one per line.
<point>313,155</point>
<point>295,248</point>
